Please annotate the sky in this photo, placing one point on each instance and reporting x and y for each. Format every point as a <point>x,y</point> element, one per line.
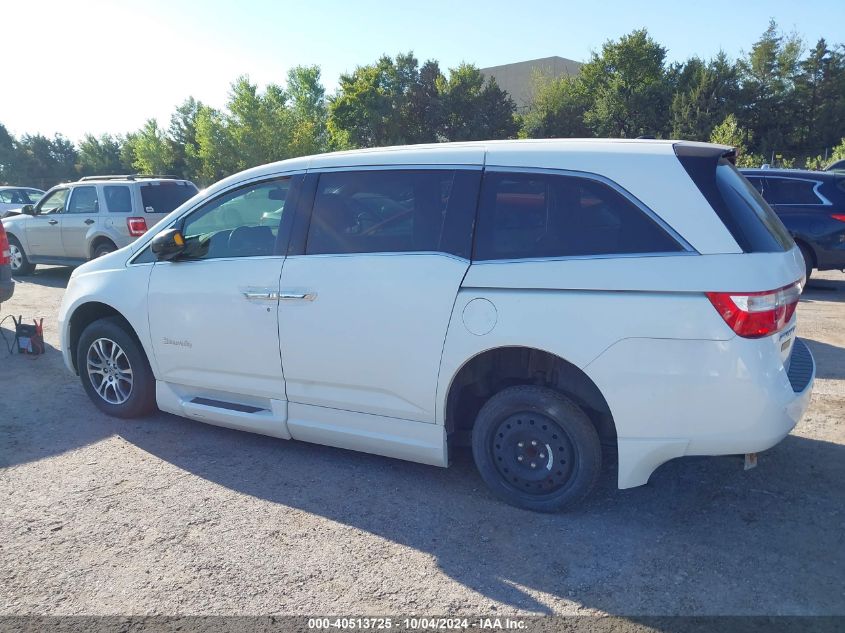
<point>98,66</point>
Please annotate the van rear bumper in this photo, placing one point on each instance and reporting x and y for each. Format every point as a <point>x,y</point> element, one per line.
<point>674,398</point>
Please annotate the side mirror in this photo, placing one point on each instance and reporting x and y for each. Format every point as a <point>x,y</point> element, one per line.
<point>28,209</point>
<point>168,244</point>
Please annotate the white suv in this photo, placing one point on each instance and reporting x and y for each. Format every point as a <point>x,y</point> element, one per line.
<point>533,299</point>
<point>83,220</point>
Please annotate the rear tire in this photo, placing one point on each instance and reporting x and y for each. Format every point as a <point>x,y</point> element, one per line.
<point>536,449</point>
<point>809,261</point>
<point>103,248</point>
<point>114,370</point>
<point>20,262</point>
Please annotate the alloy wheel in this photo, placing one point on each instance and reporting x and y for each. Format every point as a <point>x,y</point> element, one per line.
<point>109,371</point>
<point>16,257</point>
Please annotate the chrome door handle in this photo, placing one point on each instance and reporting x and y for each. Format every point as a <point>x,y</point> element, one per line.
<point>52,221</point>
<point>260,295</point>
<point>302,296</point>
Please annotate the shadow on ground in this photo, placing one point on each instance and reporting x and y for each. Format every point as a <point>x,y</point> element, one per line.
<point>52,276</point>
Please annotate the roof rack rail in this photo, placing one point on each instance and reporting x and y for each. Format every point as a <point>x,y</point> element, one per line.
<point>129,177</point>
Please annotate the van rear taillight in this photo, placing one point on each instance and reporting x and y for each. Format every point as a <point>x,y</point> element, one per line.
<point>757,314</point>
<point>137,226</point>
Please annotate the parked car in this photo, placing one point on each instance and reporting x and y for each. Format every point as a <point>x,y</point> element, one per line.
<point>812,206</point>
<point>532,299</point>
<point>7,285</point>
<point>83,220</point>
<point>837,165</point>
<point>12,199</point>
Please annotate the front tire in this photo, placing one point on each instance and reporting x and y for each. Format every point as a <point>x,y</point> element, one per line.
<point>536,449</point>
<point>19,262</point>
<point>114,370</point>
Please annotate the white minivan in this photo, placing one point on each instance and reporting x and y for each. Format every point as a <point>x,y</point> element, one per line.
<point>532,299</point>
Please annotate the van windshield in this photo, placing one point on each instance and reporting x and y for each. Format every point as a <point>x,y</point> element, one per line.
<point>163,197</point>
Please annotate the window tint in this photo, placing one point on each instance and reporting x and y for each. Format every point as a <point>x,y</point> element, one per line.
<point>241,223</point>
<point>743,211</point>
<point>394,211</point>
<point>34,195</point>
<point>790,191</point>
<point>163,197</point>
<point>83,200</point>
<point>546,215</point>
<point>53,202</point>
<point>118,198</point>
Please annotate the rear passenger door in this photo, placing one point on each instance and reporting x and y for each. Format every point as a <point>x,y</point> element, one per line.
<point>80,218</point>
<point>369,285</point>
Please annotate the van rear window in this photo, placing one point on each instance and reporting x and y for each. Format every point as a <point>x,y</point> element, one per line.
<point>749,218</point>
<point>163,197</point>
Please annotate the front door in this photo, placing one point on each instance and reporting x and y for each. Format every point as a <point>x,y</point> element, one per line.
<point>366,306</point>
<point>80,217</point>
<point>44,229</point>
<point>212,314</point>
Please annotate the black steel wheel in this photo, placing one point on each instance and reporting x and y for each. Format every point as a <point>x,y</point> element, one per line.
<point>536,449</point>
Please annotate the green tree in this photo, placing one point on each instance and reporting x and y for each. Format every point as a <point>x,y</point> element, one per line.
<point>729,132</point>
<point>152,153</point>
<point>7,155</point>
<point>475,108</point>
<point>182,138</point>
<point>628,88</point>
<point>557,110</point>
<point>767,75</point>
<point>704,94</point>
<point>100,155</point>
<point>42,162</point>
<point>214,152</point>
<point>380,104</point>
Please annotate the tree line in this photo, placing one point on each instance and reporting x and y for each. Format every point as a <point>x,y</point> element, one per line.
<point>777,102</point>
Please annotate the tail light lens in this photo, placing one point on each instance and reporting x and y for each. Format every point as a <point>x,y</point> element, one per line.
<point>757,314</point>
<point>137,226</point>
<point>838,216</point>
<point>5,252</point>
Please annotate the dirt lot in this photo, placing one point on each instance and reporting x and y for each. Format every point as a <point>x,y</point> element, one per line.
<point>169,516</point>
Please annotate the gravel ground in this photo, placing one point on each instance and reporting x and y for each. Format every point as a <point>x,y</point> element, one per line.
<point>169,516</point>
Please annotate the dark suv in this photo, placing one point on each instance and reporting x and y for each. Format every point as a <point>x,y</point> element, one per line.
<point>812,206</point>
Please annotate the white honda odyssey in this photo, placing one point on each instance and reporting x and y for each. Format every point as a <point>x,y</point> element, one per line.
<point>532,299</point>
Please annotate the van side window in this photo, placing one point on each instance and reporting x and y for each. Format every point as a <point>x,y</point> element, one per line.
<point>118,198</point>
<point>393,211</point>
<point>240,223</point>
<point>547,215</point>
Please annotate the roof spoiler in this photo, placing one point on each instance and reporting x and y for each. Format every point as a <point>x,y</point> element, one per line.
<point>705,150</point>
